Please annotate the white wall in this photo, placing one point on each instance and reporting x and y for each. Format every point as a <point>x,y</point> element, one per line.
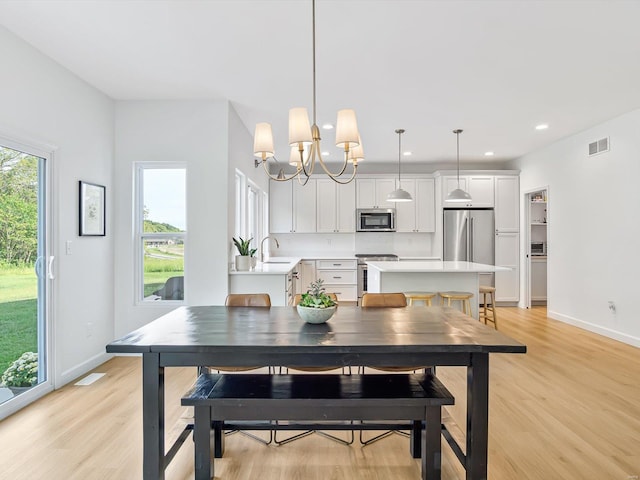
<point>44,103</point>
<point>196,133</point>
<point>594,226</point>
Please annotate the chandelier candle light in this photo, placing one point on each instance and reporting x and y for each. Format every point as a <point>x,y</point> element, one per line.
<point>399,195</point>
<point>304,139</point>
<point>458,195</point>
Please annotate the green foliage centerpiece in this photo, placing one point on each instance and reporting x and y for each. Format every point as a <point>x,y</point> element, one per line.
<point>316,306</point>
<point>245,260</point>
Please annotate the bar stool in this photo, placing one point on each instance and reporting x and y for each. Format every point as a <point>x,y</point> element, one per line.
<point>462,297</point>
<point>426,297</point>
<point>488,306</point>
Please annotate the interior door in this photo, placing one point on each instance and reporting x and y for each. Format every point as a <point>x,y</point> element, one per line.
<point>26,271</point>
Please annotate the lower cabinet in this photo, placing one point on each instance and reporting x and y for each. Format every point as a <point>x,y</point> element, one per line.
<point>339,277</point>
<point>279,286</point>
<point>507,248</point>
<point>538,279</point>
<point>306,275</point>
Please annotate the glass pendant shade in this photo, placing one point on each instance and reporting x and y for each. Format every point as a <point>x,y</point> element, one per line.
<point>399,195</point>
<point>346,129</point>
<point>458,195</point>
<point>263,141</point>
<point>299,127</point>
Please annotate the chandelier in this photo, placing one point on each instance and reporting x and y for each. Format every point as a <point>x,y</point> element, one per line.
<point>304,139</point>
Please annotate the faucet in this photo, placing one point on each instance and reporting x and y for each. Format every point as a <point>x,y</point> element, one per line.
<point>262,246</point>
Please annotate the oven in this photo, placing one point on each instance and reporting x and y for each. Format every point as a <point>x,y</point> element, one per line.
<point>363,258</point>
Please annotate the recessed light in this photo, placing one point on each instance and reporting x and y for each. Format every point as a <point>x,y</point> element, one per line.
<point>542,126</point>
<point>327,126</point>
<point>407,154</point>
<point>326,154</point>
<point>488,154</point>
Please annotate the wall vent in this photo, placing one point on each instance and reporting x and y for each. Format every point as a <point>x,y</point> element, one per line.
<point>599,146</point>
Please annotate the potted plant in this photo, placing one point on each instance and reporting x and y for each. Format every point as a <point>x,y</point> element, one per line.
<point>245,260</point>
<point>22,374</point>
<point>316,306</point>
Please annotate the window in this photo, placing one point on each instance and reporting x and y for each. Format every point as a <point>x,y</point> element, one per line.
<point>160,232</point>
<point>251,204</point>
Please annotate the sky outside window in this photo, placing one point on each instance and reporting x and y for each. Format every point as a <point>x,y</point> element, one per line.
<point>165,196</point>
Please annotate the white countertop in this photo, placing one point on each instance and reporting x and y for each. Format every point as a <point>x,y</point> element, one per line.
<point>282,266</point>
<point>435,266</point>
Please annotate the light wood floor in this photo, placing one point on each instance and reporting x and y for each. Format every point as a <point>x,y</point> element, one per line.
<point>568,409</point>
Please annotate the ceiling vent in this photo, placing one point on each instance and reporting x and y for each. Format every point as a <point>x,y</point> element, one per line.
<point>599,146</point>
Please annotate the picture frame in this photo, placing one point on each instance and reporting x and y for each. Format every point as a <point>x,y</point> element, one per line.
<point>91,209</point>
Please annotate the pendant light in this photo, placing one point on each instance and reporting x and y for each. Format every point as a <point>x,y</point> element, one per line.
<point>458,195</point>
<point>399,195</point>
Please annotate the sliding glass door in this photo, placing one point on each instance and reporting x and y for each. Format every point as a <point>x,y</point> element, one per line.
<point>25,274</point>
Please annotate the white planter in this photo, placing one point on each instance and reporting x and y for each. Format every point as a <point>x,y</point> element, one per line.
<point>244,263</point>
<point>316,315</point>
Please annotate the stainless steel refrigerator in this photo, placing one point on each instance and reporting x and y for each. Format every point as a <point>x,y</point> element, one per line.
<point>469,235</point>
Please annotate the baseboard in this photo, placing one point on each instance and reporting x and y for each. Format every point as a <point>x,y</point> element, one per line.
<point>79,370</point>
<point>606,332</point>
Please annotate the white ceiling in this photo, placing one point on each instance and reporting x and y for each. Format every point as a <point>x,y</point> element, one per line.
<point>493,68</point>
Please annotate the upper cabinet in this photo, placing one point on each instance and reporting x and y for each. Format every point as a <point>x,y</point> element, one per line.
<point>372,192</point>
<point>292,207</point>
<point>335,207</point>
<point>420,214</point>
<point>507,209</point>
<point>480,187</point>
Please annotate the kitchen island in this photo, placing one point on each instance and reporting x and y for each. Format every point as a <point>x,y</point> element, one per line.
<point>429,276</point>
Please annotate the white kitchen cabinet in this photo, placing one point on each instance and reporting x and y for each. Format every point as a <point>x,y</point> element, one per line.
<point>280,207</point>
<point>279,286</point>
<point>292,207</point>
<point>304,207</point>
<point>335,207</point>
<point>507,250</point>
<point>339,277</point>
<point>306,275</point>
<point>507,203</point>
<point>539,279</point>
<point>372,192</point>
<point>480,187</point>
<point>420,214</point>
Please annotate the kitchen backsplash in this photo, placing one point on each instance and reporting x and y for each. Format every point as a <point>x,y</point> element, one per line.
<point>347,244</point>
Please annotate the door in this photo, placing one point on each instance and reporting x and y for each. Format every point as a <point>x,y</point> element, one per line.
<point>25,273</point>
<point>456,235</point>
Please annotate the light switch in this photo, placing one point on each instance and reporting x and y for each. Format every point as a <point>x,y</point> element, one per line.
<point>68,247</point>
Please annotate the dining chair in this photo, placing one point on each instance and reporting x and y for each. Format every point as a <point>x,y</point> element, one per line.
<point>302,368</point>
<point>234,300</point>
<point>387,300</point>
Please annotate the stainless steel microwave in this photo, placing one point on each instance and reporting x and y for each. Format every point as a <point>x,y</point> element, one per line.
<point>538,248</point>
<point>376,220</point>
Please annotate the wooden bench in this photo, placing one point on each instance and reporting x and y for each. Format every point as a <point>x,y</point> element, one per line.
<point>318,397</point>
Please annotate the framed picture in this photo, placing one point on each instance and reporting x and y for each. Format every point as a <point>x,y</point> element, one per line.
<point>92,214</point>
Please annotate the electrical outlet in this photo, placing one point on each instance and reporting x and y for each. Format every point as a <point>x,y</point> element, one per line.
<point>67,246</point>
<point>612,307</point>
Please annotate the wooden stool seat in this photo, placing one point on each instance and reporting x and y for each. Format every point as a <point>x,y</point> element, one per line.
<point>463,297</point>
<point>426,297</point>
<point>489,306</point>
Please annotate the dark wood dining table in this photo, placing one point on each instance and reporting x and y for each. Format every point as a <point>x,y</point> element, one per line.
<point>354,336</point>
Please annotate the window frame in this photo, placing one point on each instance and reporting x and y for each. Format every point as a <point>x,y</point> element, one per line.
<point>140,236</point>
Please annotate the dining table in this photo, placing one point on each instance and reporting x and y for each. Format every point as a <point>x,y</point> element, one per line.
<point>353,337</point>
